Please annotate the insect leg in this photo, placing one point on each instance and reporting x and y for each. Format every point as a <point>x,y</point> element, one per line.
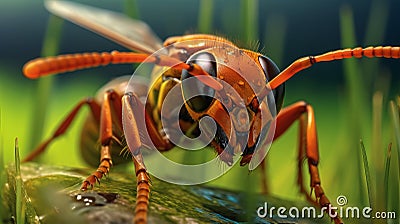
<point>308,146</point>
<point>137,132</point>
<point>142,193</point>
<point>264,183</point>
<point>95,110</point>
<point>111,102</point>
<point>138,129</point>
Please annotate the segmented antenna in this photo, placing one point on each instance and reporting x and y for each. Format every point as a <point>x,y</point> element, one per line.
<point>72,62</point>
<point>303,63</point>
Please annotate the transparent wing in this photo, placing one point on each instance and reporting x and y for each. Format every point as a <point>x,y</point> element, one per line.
<point>133,34</point>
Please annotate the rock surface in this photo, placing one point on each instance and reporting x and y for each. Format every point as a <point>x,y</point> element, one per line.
<point>52,195</point>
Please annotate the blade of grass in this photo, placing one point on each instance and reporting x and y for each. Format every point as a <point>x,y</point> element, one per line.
<point>131,9</point>
<point>387,171</point>
<point>375,32</point>
<point>205,19</point>
<point>355,90</point>
<point>367,174</point>
<point>376,158</point>
<point>397,205</point>
<point>2,174</point>
<point>395,112</point>
<point>250,20</point>
<point>377,21</point>
<point>396,126</point>
<point>377,107</point>
<point>50,47</point>
<point>276,29</point>
<point>354,81</point>
<point>1,146</point>
<point>19,207</point>
<point>398,102</point>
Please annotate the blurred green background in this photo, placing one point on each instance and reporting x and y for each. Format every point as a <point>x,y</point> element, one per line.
<point>341,93</point>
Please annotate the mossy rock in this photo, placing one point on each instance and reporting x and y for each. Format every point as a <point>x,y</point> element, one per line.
<point>52,195</point>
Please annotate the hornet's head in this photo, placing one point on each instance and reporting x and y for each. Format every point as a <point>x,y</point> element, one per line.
<point>244,109</point>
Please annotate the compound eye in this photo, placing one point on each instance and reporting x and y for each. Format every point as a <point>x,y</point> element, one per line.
<point>269,67</point>
<point>199,96</point>
<point>271,70</point>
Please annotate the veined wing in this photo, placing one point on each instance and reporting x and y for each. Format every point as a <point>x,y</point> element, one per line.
<point>133,34</point>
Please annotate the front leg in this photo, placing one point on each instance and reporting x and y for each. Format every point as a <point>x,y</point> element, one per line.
<point>140,131</point>
<point>142,192</point>
<point>308,146</point>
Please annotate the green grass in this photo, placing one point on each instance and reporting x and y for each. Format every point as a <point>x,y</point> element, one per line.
<point>396,126</point>
<point>355,102</point>
<point>366,167</point>
<point>2,167</point>
<point>205,17</point>
<point>395,112</point>
<point>250,21</point>
<point>376,149</point>
<point>276,29</point>
<point>131,9</point>
<point>387,173</point>
<point>19,198</point>
<point>376,185</point>
<point>44,87</point>
<point>375,31</point>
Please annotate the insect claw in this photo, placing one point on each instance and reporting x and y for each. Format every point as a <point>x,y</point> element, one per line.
<point>85,185</point>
